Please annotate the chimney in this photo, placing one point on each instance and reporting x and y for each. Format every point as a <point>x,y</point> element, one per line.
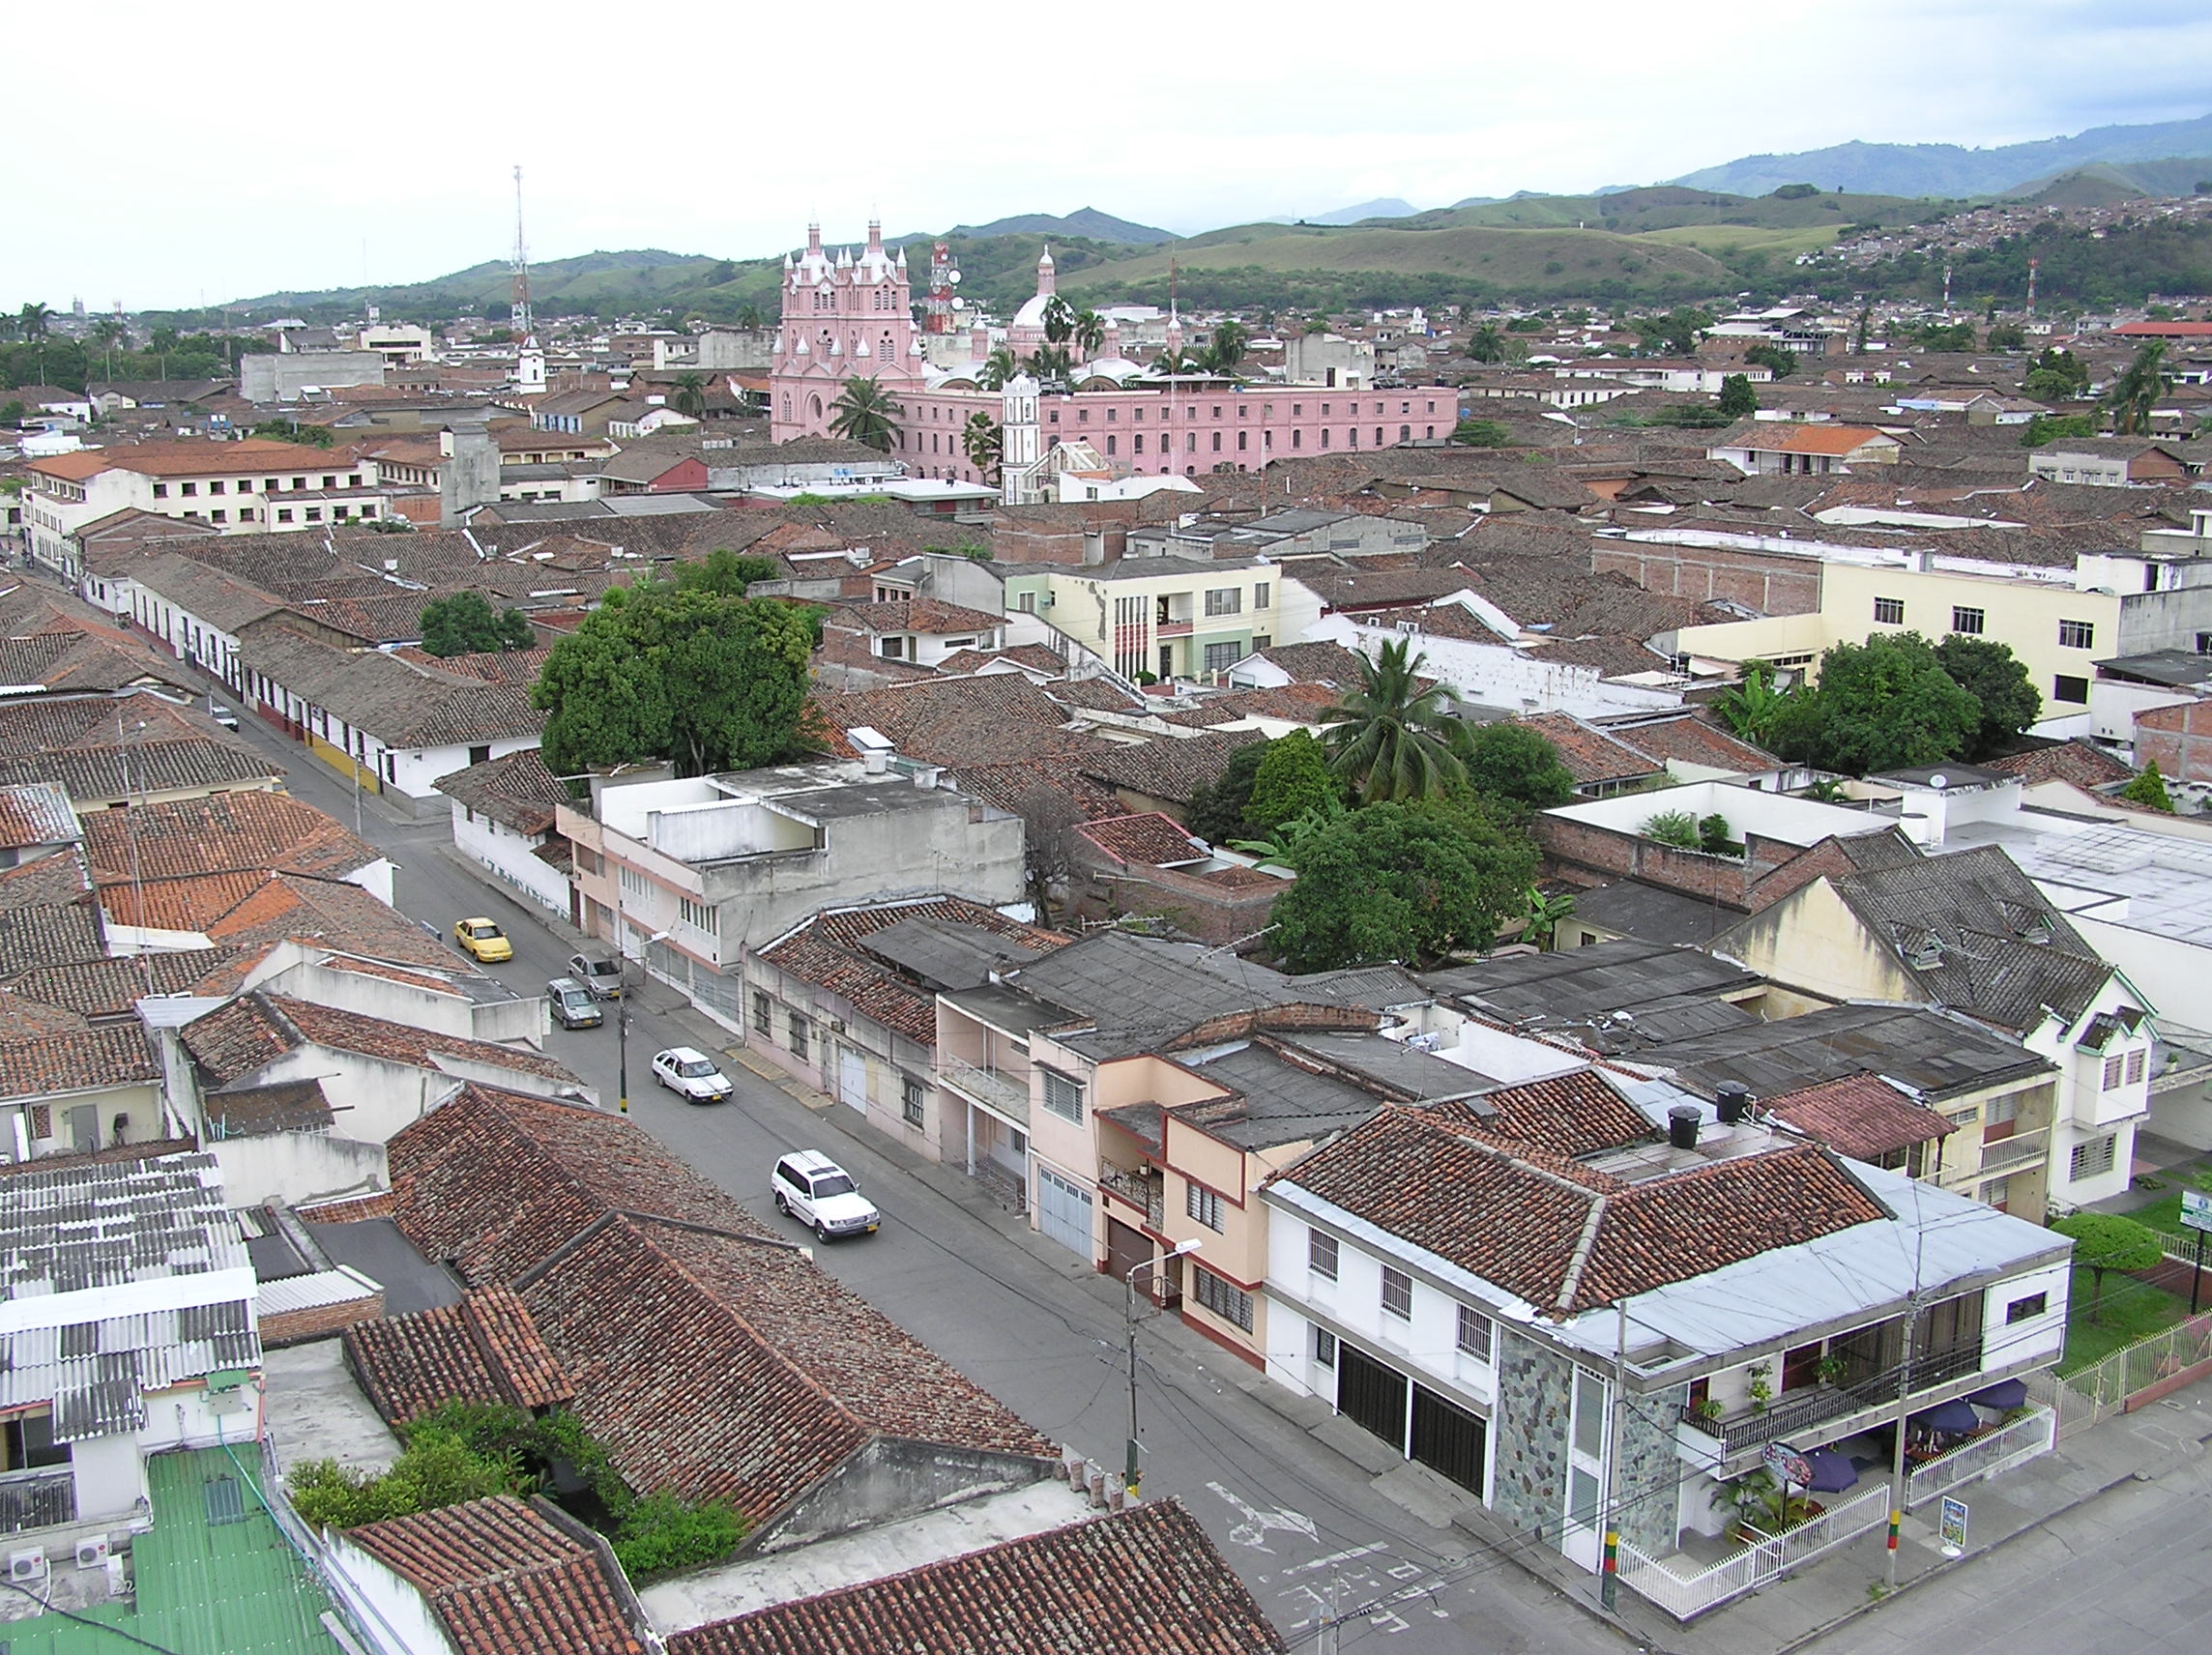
<point>1682,1123</point>
<point>1734,1099</point>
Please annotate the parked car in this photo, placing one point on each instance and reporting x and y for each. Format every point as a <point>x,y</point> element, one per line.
<point>573,1005</point>
<point>819,1193</point>
<point>691,1074</point>
<point>223,715</point>
<point>483,940</point>
<point>601,973</point>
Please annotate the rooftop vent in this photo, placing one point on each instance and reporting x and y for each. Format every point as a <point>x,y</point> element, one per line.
<point>1682,1121</point>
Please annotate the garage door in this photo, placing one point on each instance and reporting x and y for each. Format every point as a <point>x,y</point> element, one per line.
<point>1063,1210</point>
<point>1448,1439</point>
<point>851,1077</point>
<point>1126,1249</point>
<point>1371,1395</point>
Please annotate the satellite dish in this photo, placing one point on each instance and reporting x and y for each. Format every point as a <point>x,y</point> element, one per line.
<point>954,278</point>
<point>960,304</point>
<point>1939,781</point>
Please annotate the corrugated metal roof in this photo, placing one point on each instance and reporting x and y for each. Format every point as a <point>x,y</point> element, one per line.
<point>95,1374</point>
<point>309,1292</point>
<point>88,1224</point>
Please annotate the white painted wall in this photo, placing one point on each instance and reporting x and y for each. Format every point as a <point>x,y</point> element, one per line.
<point>506,856</point>
<point>1496,674</point>
<point>299,1166</point>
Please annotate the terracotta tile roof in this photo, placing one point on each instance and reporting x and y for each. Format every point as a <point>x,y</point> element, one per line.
<point>402,703</point>
<point>1170,768</point>
<point>188,459</point>
<point>28,1016</point>
<point>981,718</point>
<point>2078,762</point>
<point>1144,1581</point>
<point>1034,656</point>
<point>33,937</point>
<point>913,614</point>
<point>729,1365</point>
<point>508,1576</point>
<point>112,987</point>
<point>496,1181</point>
<point>35,814</point>
<point>1791,437</point>
<point>830,951</point>
<point>1152,839</point>
<point>1589,754</point>
<point>222,833</point>
<point>1330,665</point>
<point>257,1112</point>
<point>81,1061</point>
<point>1862,1116</point>
<point>1300,703</point>
<point>255,1029</point>
<point>484,1348</point>
<point>1694,738</point>
<point>1565,1236</point>
<point>517,791</point>
<point>1574,1114</point>
<point>46,881</point>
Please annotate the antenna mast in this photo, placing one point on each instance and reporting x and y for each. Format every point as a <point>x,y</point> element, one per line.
<point>518,320</point>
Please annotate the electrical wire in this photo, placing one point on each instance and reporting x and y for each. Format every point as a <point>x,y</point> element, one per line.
<point>95,1625</point>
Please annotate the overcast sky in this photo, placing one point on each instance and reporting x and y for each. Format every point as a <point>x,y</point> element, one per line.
<point>169,154</point>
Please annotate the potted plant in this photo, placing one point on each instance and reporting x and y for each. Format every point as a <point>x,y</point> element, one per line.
<point>1707,1408</point>
<point>1761,1513</point>
<point>1761,1385</point>
<point>1830,1370</point>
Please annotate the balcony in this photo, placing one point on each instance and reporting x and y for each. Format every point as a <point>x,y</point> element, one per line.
<point>1141,1189</point>
<point>37,1499</point>
<point>1861,1403</point>
<point>1173,628</point>
<point>1002,1091</point>
<point>2021,1149</point>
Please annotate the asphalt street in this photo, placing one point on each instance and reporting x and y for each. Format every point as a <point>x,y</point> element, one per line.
<point>1306,1527</point>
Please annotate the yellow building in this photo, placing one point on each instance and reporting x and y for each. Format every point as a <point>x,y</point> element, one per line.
<point>1176,617</point>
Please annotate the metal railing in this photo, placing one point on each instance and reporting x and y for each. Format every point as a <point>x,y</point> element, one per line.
<point>1008,1093</point>
<point>1137,1190</point>
<point>1799,1411</point>
<point>37,1499</point>
<point>1767,1559</point>
<point>2108,1386</point>
<point>2017,1151</point>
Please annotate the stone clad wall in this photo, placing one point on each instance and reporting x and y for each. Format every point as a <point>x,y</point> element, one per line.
<point>1535,1401</point>
<point>1650,1480</point>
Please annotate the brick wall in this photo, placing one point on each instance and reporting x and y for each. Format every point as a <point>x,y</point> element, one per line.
<point>349,1210</point>
<point>1604,850</point>
<point>2178,740</point>
<point>320,1321</point>
<point>1198,907</point>
<point>1773,583</point>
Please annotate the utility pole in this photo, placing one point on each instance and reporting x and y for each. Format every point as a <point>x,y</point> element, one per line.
<point>1608,1588</point>
<point>1131,1472</point>
<point>1897,1458</point>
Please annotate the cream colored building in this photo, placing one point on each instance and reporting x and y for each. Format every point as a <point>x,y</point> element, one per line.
<point>1174,617</point>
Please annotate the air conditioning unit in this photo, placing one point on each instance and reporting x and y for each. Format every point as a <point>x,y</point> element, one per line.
<point>92,1552</point>
<point>29,1564</point>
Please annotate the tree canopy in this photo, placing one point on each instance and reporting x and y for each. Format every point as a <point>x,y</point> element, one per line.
<point>1392,737</point>
<point>1414,883</point>
<point>864,412</point>
<point>1216,812</point>
<point>1886,704</point>
<point>1737,398</point>
<point>2105,1241</point>
<point>724,573</point>
<point>1512,762</point>
<point>698,679</point>
<point>464,625</point>
<point>1292,777</point>
<point>2148,790</point>
<point>1997,679</point>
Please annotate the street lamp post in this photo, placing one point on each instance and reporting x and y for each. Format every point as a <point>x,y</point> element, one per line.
<point>621,1003</point>
<point>1131,1472</point>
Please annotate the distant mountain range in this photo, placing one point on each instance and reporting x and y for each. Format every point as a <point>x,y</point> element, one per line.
<point>1950,169</point>
<point>1085,221</point>
<point>1383,207</point>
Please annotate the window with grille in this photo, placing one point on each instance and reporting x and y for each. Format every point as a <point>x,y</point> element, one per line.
<point>1220,657</point>
<point>633,883</point>
<point>910,1100</point>
<point>2115,1067</point>
<point>1474,1333</point>
<point>1260,595</point>
<point>1889,611</point>
<point>1324,1347</point>
<point>2070,688</point>
<point>1226,1300</point>
<point>761,1015</point>
<point>1062,1096</point>
<point>2092,1155</point>
<point>1397,1294</point>
<point>1203,1205</point>
<point>2137,1061</point>
<point>1321,1253</point>
<point>2076,634</point>
<point>800,1031</point>
<point>1970,621</point>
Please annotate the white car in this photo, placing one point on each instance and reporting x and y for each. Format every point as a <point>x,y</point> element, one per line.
<point>819,1193</point>
<point>691,1074</point>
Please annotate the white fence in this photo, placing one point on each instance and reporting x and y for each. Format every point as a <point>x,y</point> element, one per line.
<point>2167,1358</point>
<point>1684,1596</point>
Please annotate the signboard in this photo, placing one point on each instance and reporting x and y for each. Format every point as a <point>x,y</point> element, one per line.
<point>1951,1527</point>
<point>2196,1210</point>
<point>1785,1464</point>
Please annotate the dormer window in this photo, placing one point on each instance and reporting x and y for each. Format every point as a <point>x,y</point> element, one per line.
<point>1927,952</point>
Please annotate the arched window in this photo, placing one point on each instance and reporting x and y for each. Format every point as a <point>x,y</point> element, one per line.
<point>787,406</point>
<point>1405,433</point>
<point>814,406</point>
<point>1377,436</point>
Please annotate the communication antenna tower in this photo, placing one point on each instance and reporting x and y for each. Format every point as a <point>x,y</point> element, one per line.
<point>519,319</point>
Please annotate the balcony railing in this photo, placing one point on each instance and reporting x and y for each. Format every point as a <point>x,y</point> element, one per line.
<point>37,1499</point>
<point>1173,628</point>
<point>1796,1413</point>
<point>2018,1151</point>
<point>1146,1194</point>
<point>995,1088</point>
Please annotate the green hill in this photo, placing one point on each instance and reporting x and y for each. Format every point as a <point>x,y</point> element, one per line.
<point>2107,182</point>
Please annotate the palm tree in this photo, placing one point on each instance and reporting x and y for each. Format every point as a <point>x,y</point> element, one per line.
<point>1486,344</point>
<point>32,319</point>
<point>109,331</point>
<point>691,396</point>
<point>1051,362</point>
<point>866,412</point>
<point>997,367</point>
<point>1228,347</point>
<point>1292,836</point>
<point>1089,331</point>
<point>1174,362</point>
<point>2138,389</point>
<point>984,443</point>
<point>1390,738</point>
<point>10,328</point>
<point>1058,320</point>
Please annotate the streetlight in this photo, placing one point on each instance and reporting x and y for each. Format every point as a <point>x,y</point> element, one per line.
<point>1130,1472</point>
<point>621,1008</point>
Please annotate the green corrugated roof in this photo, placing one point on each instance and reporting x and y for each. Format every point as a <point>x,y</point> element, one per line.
<point>204,1588</point>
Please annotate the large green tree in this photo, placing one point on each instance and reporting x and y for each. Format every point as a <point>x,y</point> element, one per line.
<point>2105,1241</point>
<point>984,443</point>
<point>1227,348</point>
<point>1886,704</point>
<point>1737,398</point>
<point>2056,376</point>
<point>1216,812</point>
<point>1485,344</point>
<point>724,573</point>
<point>1996,678</point>
<point>1513,762</point>
<point>694,678</point>
<point>464,624</point>
<point>1412,882</point>
<point>2136,392</point>
<point>1292,777</point>
<point>1777,361</point>
<point>864,412</point>
<point>1390,738</point>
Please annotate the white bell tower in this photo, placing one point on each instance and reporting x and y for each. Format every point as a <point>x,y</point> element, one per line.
<point>1021,444</point>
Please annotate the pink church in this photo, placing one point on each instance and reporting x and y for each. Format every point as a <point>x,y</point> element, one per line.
<point>851,315</point>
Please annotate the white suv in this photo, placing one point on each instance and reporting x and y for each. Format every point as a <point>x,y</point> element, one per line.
<point>817,1191</point>
<point>691,1074</point>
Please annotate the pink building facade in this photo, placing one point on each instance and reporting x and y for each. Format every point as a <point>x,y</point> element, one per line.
<point>851,315</point>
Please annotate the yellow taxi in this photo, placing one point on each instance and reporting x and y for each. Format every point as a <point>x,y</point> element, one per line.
<point>484,939</point>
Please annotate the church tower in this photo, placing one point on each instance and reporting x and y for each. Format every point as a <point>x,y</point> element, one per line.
<point>844,317</point>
